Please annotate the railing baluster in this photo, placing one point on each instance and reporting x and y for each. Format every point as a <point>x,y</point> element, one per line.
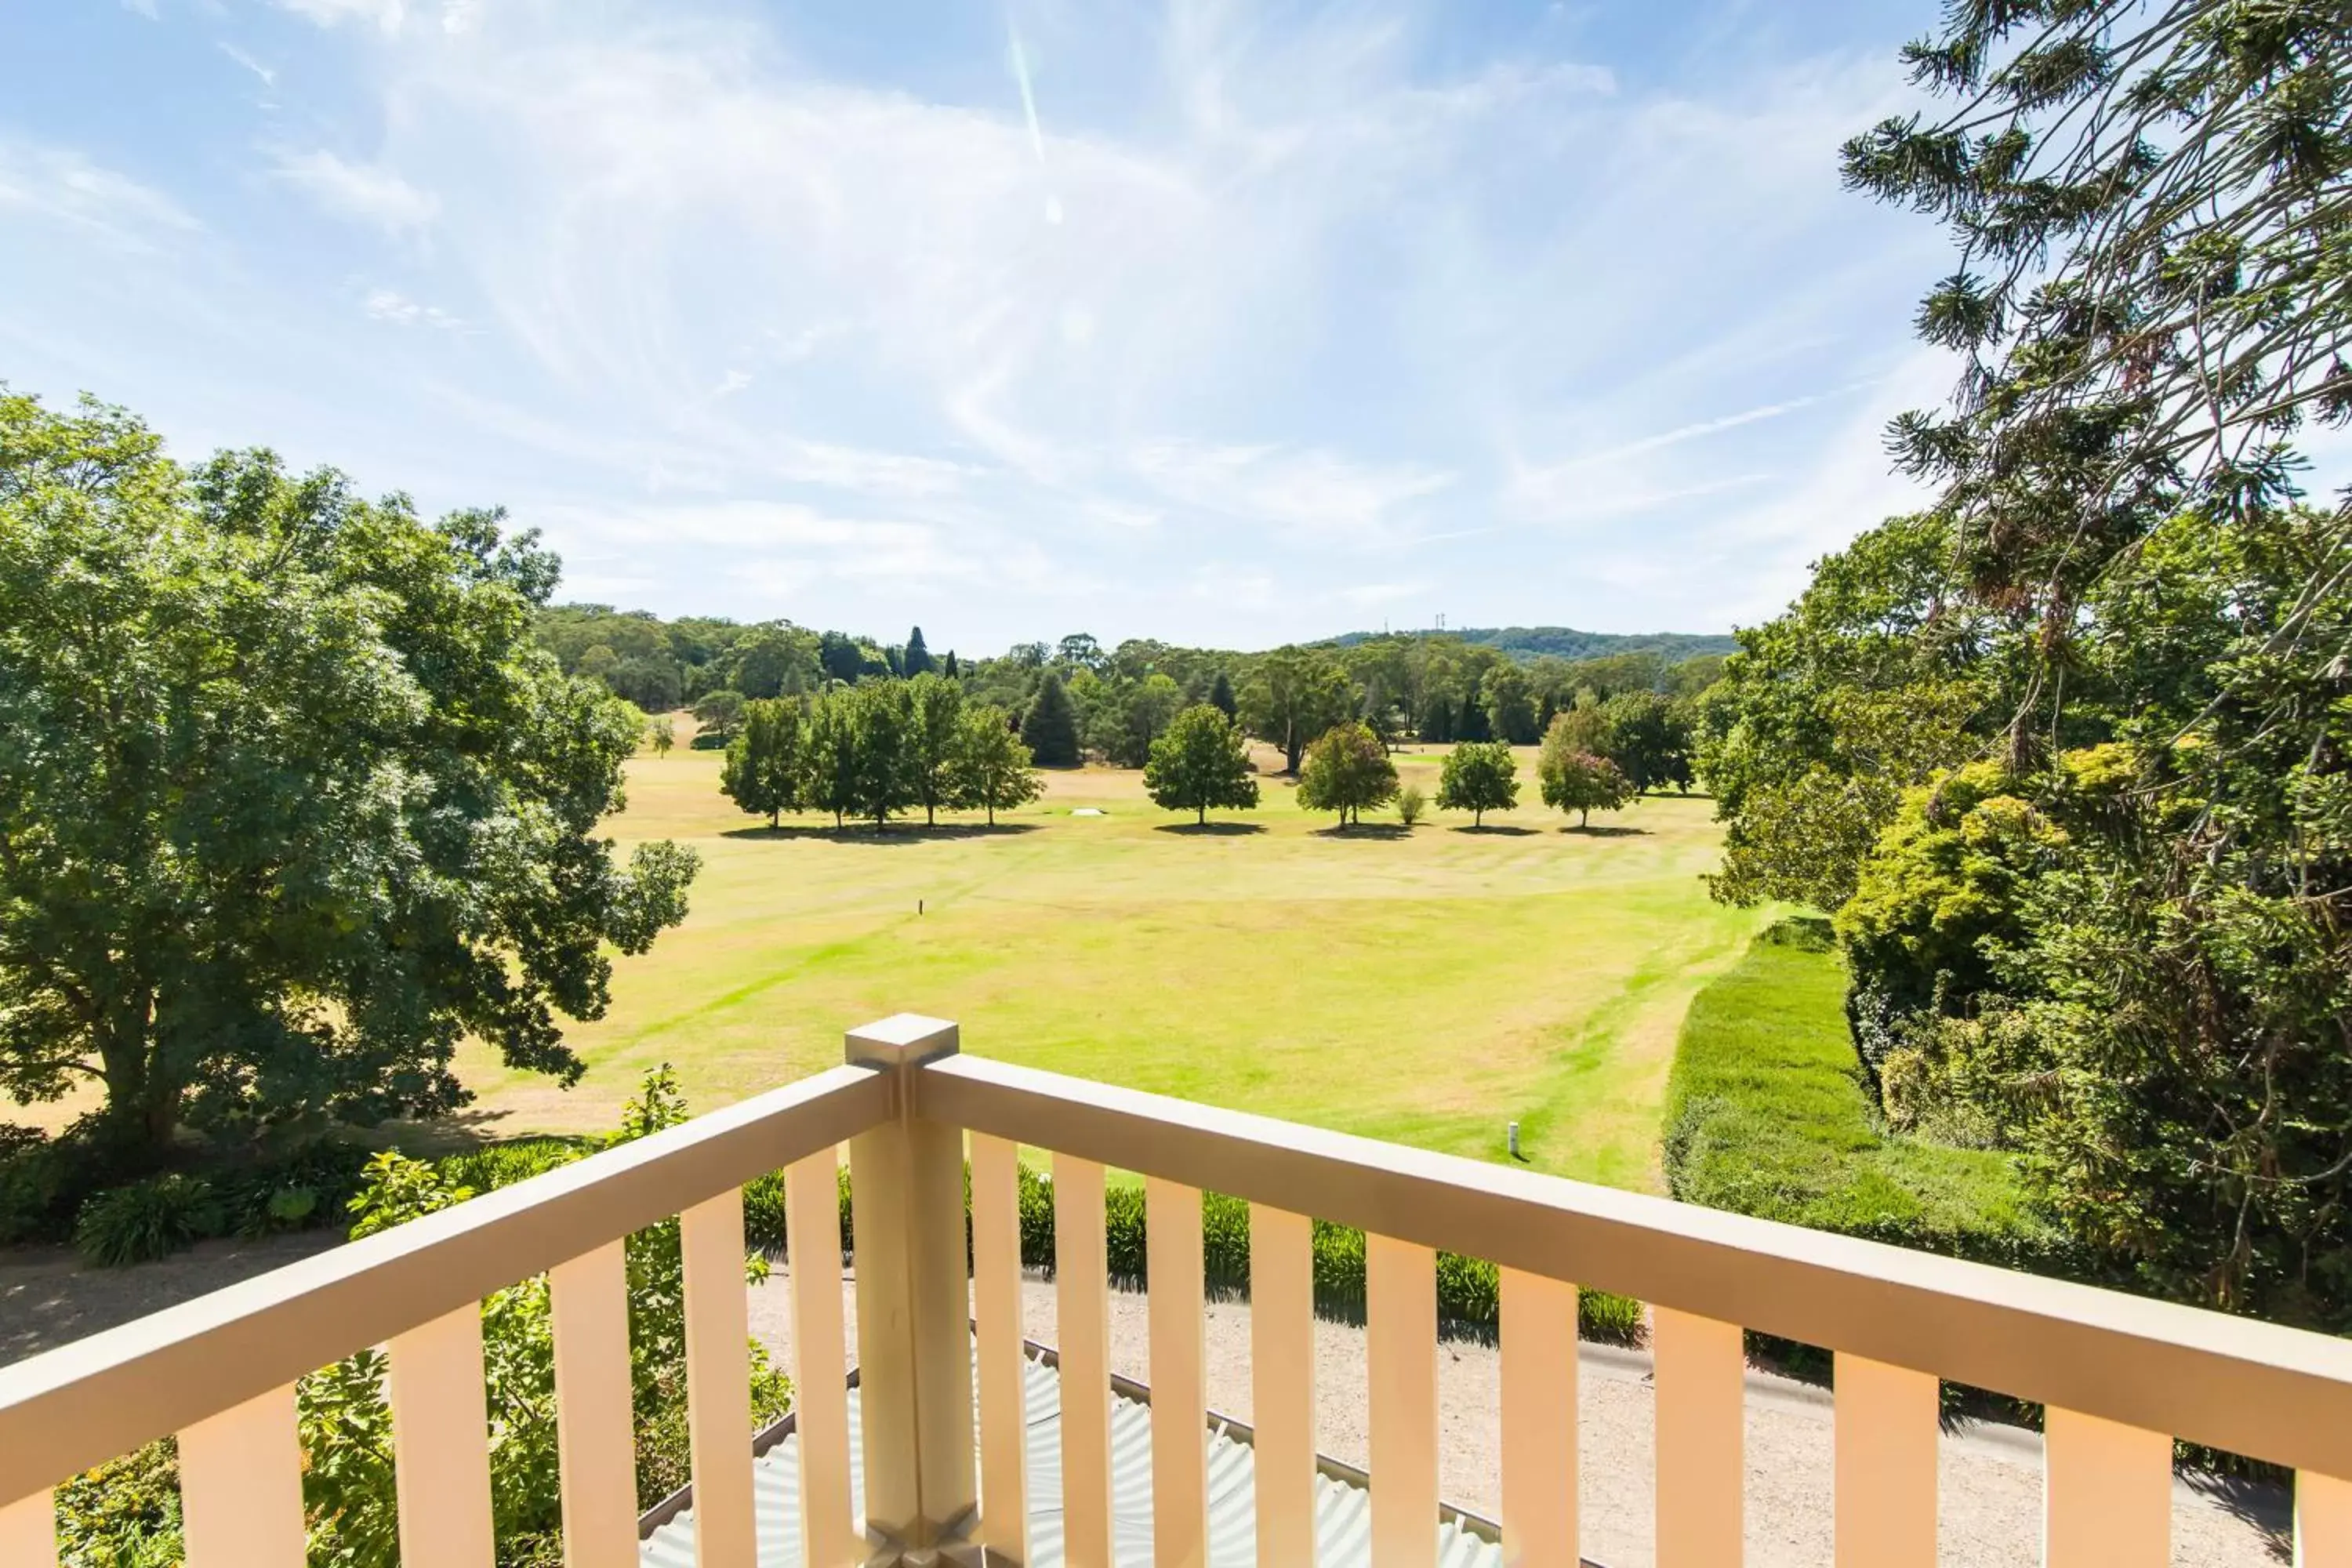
<point>1539,1330</point>
<point>241,1486</point>
<point>1282,1381</point>
<point>28,1531</point>
<point>595,1422</point>
<point>1400,1344</point>
<point>2106,1493</point>
<point>1179,1390</point>
<point>996,1308</point>
<point>820,1361</point>
<point>1701,1373</point>
<point>1885,1465</point>
<point>1082,1311</point>
<point>440,1442</point>
<point>718,1381</point>
<point>2322,1521</point>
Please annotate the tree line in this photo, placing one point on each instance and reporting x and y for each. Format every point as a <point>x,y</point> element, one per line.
<point>2069,753</point>
<point>875,749</point>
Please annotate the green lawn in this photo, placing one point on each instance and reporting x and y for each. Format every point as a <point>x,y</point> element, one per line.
<point>1427,987</point>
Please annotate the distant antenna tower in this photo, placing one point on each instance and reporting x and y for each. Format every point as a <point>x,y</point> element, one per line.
<point>1440,622</point>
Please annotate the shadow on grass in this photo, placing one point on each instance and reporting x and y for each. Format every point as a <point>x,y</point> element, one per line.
<point>1365,830</point>
<point>1499,829</point>
<point>1211,829</point>
<point>895,833</point>
<point>1599,831</point>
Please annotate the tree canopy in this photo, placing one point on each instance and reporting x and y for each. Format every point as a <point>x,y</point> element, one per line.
<point>1478,776</point>
<point>1051,724</point>
<point>292,800</point>
<point>1201,762</point>
<point>1346,770</point>
<point>1573,779</point>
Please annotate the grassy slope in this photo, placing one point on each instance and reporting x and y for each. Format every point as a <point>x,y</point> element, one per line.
<point>1766,1113</point>
<point>1427,987</point>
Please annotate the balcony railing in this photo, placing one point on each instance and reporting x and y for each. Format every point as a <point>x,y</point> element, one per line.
<point>2121,1378</point>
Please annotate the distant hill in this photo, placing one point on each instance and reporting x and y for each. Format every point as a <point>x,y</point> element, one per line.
<point>1566,642</point>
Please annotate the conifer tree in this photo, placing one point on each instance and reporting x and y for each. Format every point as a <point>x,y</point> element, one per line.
<point>1050,727</point>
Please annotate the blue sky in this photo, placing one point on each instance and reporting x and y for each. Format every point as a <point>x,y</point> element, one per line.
<point>1214,322</point>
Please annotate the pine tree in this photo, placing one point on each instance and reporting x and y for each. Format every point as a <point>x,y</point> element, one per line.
<point>1051,725</point>
<point>948,668</point>
<point>1221,696</point>
<point>1201,762</point>
<point>917,660</point>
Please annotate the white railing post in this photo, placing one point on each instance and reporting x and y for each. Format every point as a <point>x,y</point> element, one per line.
<point>914,1339</point>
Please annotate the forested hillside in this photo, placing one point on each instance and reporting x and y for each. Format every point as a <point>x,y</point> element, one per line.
<point>1566,642</point>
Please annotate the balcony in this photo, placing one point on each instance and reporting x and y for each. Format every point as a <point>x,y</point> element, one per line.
<point>966,1447</point>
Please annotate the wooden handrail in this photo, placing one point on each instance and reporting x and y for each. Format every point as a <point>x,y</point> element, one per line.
<point>2252,1388</point>
<point>82,1403</point>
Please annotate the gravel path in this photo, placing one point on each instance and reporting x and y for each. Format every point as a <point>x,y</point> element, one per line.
<point>48,1296</point>
<point>1991,1512</point>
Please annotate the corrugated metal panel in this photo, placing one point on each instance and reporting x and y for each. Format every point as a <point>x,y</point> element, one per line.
<point>1342,1512</point>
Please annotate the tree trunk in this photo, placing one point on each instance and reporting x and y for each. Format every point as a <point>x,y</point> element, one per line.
<point>931,814</point>
<point>1478,816</point>
<point>1203,815</point>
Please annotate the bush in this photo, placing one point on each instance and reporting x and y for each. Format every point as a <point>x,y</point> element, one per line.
<point>147,1220</point>
<point>125,1513</point>
<point>1410,803</point>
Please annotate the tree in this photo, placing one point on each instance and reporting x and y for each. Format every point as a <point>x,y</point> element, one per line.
<point>1051,725</point>
<point>1510,710</point>
<point>292,803</point>
<point>1080,651</point>
<point>934,712</point>
<point>663,734</point>
<point>1648,737</point>
<point>917,660</point>
<point>1221,696</point>
<point>1575,780</point>
<point>882,773</point>
<point>764,768</point>
<point>1479,777</point>
<point>1296,695</point>
<point>1134,717</point>
<point>829,750</point>
<point>1347,769</point>
<point>993,767</point>
<point>1201,762</point>
<point>717,712</point>
<point>948,668</point>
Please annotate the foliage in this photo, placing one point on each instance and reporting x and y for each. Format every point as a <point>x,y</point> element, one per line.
<point>1479,777</point>
<point>1648,736</point>
<point>147,1220</point>
<point>718,713</point>
<point>1201,762</point>
<point>764,768</point>
<point>1296,695</point>
<point>1575,780</point>
<point>917,660</point>
<point>1877,677</point>
<point>662,733</point>
<point>306,807</point>
<point>933,713</point>
<point>346,1428</point>
<point>1509,704</point>
<point>1347,769</point>
<point>125,1513</point>
<point>994,768</point>
<point>1050,725</point>
<point>1410,803</point>
<point>1765,1114</point>
<point>1221,696</point>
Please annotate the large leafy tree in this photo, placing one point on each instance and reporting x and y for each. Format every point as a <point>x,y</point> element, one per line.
<point>1201,762</point>
<point>1479,777</point>
<point>993,768</point>
<point>933,709</point>
<point>1573,779</point>
<point>764,768</point>
<point>1346,770</point>
<point>290,799</point>
<point>1296,695</point>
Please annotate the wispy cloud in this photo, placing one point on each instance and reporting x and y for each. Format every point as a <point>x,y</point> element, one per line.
<point>400,311</point>
<point>268,77</point>
<point>59,185</point>
<point>366,193</point>
<point>385,15</point>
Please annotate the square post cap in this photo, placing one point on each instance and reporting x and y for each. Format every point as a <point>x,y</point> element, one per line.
<point>904,1039</point>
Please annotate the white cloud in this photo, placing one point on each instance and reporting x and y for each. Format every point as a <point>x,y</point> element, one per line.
<point>59,185</point>
<point>362,193</point>
<point>391,305</point>
<point>144,7</point>
<point>268,77</point>
<point>1315,492</point>
<point>386,14</point>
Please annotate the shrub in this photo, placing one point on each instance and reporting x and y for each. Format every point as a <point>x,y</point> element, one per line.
<point>125,1513</point>
<point>147,1220</point>
<point>1410,803</point>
